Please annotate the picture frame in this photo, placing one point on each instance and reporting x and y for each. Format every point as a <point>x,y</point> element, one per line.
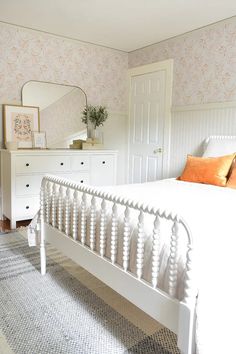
<point>39,140</point>
<point>18,123</point>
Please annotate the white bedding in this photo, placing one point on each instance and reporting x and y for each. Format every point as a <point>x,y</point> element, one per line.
<point>210,214</point>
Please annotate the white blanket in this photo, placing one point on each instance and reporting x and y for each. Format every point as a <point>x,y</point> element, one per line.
<point>210,214</point>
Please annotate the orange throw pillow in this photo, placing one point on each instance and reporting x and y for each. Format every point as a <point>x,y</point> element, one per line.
<point>210,170</point>
<point>232,178</point>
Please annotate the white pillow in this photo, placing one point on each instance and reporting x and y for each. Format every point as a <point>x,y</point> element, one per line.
<point>219,146</point>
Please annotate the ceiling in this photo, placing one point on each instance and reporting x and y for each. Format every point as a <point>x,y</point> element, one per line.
<point>121,24</point>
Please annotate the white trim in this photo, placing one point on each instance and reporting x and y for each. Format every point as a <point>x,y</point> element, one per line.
<point>149,68</point>
<point>204,106</point>
<point>166,65</point>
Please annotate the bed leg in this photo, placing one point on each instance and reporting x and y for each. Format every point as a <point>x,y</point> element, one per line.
<point>43,258</point>
<point>186,332</point>
<point>42,252</point>
<point>42,234</point>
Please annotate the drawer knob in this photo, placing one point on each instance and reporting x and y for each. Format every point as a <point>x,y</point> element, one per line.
<point>27,185</point>
<point>81,163</point>
<point>103,162</point>
<point>27,207</point>
<point>81,181</point>
<point>62,163</point>
<point>27,164</point>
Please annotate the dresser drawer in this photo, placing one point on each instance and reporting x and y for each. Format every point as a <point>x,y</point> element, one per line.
<point>102,170</point>
<point>80,177</point>
<point>28,185</point>
<point>26,207</point>
<point>40,164</point>
<point>80,163</point>
<point>103,162</point>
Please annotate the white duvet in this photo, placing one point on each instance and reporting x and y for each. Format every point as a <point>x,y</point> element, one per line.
<point>210,214</point>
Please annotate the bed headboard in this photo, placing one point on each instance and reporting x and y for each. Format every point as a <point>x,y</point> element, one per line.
<point>218,137</point>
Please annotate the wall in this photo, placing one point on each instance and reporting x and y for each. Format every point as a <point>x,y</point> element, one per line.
<point>204,72</point>
<point>204,63</point>
<point>101,72</point>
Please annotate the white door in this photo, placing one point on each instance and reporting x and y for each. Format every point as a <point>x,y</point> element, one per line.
<point>147,124</point>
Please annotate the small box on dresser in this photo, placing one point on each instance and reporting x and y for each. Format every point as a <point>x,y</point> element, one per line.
<point>22,172</point>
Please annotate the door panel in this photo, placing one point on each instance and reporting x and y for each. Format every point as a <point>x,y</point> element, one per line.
<point>147,114</point>
<point>151,169</point>
<point>137,168</point>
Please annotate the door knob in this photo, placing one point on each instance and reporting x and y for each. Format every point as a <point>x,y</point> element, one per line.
<point>158,151</point>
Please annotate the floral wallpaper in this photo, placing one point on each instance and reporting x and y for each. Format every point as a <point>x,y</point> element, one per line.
<point>204,63</point>
<point>31,55</point>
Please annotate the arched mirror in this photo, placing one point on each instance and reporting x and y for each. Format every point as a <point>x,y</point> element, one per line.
<point>60,108</point>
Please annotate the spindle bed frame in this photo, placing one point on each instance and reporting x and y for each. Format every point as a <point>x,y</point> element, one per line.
<point>56,209</point>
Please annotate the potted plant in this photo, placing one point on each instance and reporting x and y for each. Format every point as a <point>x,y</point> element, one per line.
<point>94,117</point>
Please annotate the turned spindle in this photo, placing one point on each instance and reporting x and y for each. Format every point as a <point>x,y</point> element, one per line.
<point>114,231</point>
<point>126,239</point>
<point>102,240</point>
<point>140,246</point>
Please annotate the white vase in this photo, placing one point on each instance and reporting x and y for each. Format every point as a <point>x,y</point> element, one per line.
<point>90,130</point>
<point>98,135</point>
<point>95,133</point>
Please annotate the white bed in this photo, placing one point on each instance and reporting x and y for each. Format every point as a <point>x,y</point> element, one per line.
<point>191,202</point>
<point>167,246</point>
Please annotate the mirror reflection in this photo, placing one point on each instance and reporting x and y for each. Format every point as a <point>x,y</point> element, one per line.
<point>60,109</point>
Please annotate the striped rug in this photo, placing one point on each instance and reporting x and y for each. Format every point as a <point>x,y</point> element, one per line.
<point>68,311</point>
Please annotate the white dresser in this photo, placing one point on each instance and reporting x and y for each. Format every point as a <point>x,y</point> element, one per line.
<point>22,172</point>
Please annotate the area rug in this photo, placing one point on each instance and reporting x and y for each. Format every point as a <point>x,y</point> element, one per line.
<point>58,314</point>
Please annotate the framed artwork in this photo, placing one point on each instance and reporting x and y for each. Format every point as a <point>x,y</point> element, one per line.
<point>39,140</point>
<point>19,122</point>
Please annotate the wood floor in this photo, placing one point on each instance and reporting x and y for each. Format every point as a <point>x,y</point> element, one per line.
<point>5,224</point>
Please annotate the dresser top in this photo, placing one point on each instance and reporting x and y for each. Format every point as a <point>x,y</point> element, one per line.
<point>57,151</point>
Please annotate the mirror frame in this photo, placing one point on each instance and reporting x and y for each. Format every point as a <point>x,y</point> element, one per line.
<point>55,83</point>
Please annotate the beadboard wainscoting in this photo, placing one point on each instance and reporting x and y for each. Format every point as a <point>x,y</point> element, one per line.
<point>115,136</point>
<point>192,124</point>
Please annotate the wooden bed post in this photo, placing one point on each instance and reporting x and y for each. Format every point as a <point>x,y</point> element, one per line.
<point>187,309</point>
<point>42,232</point>
<point>186,334</point>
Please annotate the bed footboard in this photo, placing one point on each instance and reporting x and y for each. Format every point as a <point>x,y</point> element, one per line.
<point>64,203</point>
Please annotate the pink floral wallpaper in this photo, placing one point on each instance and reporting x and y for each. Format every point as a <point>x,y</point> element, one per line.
<point>204,63</point>
<point>31,55</point>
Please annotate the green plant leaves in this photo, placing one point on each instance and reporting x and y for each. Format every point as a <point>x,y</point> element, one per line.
<point>97,115</point>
